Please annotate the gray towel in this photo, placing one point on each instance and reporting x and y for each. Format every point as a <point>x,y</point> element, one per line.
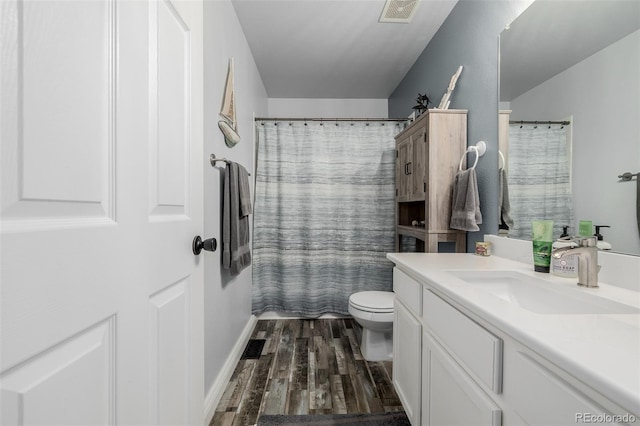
<point>504,205</point>
<point>245,192</point>
<point>236,251</point>
<point>465,209</point>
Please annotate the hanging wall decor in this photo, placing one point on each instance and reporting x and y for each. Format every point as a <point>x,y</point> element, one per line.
<point>228,124</point>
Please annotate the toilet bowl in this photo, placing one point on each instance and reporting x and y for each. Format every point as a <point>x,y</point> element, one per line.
<point>373,310</point>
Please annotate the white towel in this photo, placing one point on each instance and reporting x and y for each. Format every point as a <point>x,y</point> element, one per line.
<point>465,209</point>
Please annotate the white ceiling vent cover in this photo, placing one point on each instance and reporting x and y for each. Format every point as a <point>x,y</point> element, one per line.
<point>398,11</point>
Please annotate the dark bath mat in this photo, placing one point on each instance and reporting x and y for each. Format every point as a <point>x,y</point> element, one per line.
<point>253,349</point>
<point>396,418</point>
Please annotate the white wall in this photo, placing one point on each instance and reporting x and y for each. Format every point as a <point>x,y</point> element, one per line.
<point>328,108</point>
<point>227,299</point>
<point>601,93</point>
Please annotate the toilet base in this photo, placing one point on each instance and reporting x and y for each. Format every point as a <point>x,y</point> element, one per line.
<point>377,345</point>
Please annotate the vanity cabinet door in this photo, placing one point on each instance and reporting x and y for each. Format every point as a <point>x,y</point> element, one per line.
<point>406,360</point>
<point>449,395</point>
<point>557,402</point>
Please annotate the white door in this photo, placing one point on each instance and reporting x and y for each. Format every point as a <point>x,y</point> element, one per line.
<point>101,136</point>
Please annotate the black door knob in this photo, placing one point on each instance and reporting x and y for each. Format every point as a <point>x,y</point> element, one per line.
<point>198,245</point>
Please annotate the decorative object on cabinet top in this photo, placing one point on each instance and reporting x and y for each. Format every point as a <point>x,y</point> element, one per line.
<point>423,102</point>
<point>446,98</point>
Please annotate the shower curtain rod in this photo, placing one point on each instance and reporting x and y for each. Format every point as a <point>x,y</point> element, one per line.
<point>564,123</point>
<point>328,119</point>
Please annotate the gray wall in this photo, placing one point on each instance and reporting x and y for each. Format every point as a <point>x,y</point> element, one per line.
<point>469,37</point>
<point>227,299</point>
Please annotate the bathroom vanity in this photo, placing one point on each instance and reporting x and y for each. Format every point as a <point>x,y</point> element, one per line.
<point>487,341</point>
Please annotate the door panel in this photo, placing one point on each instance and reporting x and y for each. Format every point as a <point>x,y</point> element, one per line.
<point>51,118</point>
<point>169,354</point>
<point>31,387</point>
<point>169,119</point>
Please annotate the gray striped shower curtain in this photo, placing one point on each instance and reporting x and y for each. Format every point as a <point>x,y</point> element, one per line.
<point>540,177</point>
<point>324,214</point>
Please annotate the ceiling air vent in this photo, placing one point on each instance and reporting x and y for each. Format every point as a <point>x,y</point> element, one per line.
<point>398,11</point>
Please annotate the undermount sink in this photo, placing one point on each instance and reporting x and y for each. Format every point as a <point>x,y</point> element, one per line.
<point>540,296</point>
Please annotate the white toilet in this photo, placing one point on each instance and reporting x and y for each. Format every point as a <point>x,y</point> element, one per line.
<point>373,310</point>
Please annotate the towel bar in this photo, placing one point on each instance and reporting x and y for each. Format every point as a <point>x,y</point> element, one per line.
<point>625,177</point>
<point>213,159</point>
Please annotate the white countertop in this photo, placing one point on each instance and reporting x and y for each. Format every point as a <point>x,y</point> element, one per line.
<point>603,351</point>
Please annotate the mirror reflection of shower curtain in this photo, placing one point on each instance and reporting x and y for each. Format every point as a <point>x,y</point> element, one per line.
<point>540,177</point>
<point>324,214</point>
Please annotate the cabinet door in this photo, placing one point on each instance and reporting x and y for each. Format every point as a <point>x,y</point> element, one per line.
<point>406,360</point>
<point>556,401</point>
<point>418,164</point>
<point>403,173</point>
<point>449,394</point>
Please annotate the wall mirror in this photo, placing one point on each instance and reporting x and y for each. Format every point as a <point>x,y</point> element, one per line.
<point>570,87</point>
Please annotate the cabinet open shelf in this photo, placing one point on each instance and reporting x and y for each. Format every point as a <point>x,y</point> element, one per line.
<point>412,231</point>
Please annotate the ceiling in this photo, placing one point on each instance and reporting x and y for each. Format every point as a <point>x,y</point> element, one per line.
<point>335,49</point>
<point>549,37</point>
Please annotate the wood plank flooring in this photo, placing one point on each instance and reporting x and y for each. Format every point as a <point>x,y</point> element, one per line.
<point>306,367</point>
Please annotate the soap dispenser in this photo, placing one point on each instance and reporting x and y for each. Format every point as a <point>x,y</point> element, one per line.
<point>602,245</point>
<point>567,266</point>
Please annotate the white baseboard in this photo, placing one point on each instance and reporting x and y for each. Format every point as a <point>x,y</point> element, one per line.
<point>218,387</point>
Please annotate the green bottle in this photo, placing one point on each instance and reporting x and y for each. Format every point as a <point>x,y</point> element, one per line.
<point>542,237</point>
<point>585,228</point>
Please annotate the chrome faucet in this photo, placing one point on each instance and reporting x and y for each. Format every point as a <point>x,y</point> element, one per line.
<point>587,252</point>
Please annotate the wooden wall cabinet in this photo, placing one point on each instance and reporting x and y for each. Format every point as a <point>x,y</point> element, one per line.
<point>428,154</point>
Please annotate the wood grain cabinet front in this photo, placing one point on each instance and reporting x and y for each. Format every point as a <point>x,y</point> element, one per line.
<point>428,153</point>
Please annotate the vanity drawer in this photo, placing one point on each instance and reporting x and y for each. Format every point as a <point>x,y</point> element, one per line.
<point>475,347</point>
<point>408,291</point>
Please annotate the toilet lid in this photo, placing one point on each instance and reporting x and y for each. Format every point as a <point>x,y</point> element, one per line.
<point>373,301</point>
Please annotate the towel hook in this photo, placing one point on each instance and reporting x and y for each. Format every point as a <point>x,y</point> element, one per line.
<point>480,148</point>
<point>504,164</point>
